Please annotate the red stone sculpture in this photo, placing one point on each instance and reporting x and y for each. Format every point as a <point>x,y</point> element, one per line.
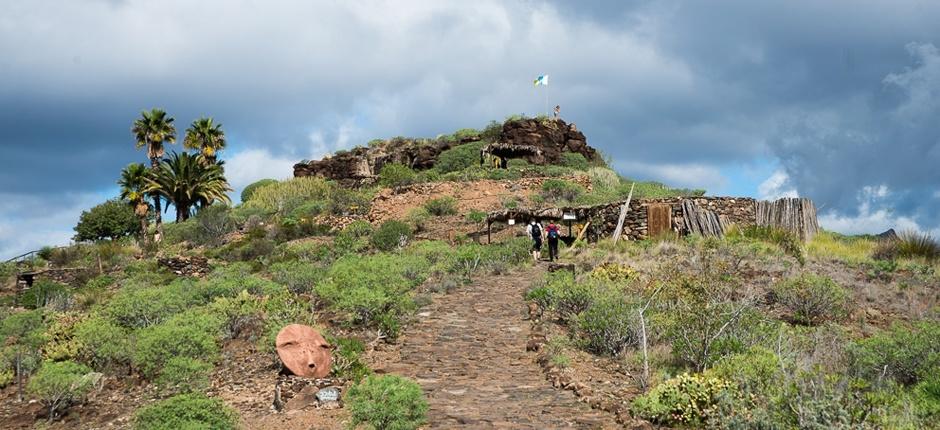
<point>304,351</point>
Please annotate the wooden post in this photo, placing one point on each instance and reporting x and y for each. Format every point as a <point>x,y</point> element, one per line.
<point>623,215</point>
<point>489,228</point>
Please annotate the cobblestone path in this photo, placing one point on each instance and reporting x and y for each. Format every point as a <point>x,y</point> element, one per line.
<point>467,350</point>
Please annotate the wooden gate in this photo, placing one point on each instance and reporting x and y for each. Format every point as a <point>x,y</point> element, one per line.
<point>658,219</point>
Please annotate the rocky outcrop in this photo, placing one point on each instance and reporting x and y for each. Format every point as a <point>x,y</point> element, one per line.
<point>540,141</point>
<point>362,164</point>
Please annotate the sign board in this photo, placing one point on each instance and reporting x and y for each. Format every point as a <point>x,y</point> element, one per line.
<point>511,222</point>
<point>569,217</point>
<point>329,394</point>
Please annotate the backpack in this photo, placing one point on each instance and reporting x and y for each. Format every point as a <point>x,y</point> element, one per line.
<point>536,231</point>
<point>552,232</point>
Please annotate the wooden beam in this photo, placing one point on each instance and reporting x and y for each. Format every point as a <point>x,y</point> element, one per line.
<point>623,215</point>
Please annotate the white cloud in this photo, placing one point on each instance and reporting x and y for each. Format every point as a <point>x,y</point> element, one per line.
<point>245,167</point>
<point>776,186</point>
<point>676,175</point>
<point>29,222</point>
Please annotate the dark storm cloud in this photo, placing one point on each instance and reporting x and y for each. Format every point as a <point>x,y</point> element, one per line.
<point>673,91</point>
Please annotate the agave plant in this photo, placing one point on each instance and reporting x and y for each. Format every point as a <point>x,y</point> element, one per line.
<point>205,136</point>
<point>152,130</point>
<point>133,184</point>
<point>189,182</point>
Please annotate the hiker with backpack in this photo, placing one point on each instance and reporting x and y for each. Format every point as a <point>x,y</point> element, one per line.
<point>534,230</point>
<point>553,235</point>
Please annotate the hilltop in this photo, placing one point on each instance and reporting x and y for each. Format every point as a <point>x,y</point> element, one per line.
<point>408,254</point>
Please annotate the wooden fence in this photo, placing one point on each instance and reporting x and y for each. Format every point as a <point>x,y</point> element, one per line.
<point>793,214</point>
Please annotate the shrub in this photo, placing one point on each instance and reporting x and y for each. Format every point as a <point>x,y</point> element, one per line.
<point>396,175</point>
<point>137,307</point>
<point>926,399</point>
<point>42,293</point>
<point>459,157</point>
<point>214,223</point>
<point>296,276</point>
<point>283,197</point>
<point>559,191</point>
<point>613,272</point>
<point>231,281</point>
<point>418,218</point>
<point>608,326</point>
<point>906,355</point>
<point>112,219</point>
<point>345,202</point>
<point>373,290</point>
<point>254,186</point>
<point>788,241</point>
<point>912,244</point>
<point>575,161</point>
<point>239,314</point>
<point>186,411</point>
<point>60,340</point>
<point>603,178</point>
<point>184,375</point>
<point>58,384</point>
<point>21,340</point>
<point>476,216</point>
<point>811,299</point>
<point>387,402</point>
<point>390,235</point>
<point>102,344</point>
<point>446,205</point>
<point>686,400</point>
<point>347,359</point>
<point>193,334</point>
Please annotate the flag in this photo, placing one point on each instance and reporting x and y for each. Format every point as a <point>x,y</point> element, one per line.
<point>541,80</point>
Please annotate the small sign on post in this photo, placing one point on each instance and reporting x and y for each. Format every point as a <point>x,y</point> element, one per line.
<point>511,221</point>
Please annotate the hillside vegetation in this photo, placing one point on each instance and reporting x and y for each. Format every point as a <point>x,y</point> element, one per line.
<point>753,330</point>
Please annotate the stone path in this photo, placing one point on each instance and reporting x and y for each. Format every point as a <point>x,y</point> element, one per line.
<point>468,353</point>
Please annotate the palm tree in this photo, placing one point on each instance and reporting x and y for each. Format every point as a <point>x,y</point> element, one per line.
<point>133,184</point>
<point>206,137</point>
<point>152,130</point>
<point>189,182</point>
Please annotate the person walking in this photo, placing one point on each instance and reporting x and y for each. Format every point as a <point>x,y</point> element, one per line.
<point>534,230</point>
<point>553,234</point>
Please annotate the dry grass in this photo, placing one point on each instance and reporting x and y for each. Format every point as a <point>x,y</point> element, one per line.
<point>833,246</point>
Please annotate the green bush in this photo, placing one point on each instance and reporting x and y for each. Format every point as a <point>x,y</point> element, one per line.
<point>193,334</point>
<point>912,244</point>
<point>396,175</point>
<point>476,216</point>
<point>21,341</point>
<point>906,355</point>
<point>459,157</point>
<point>418,218</point>
<point>102,344</point>
<point>575,161</point>
<point>926,399</point>
<point>184,375</point>
<point>347,202</point>
<point>254,186</point>
<point>442,206</point>
<point>373,290</point>
<point>282,198</point>
<point>788,241</point>
<point>811,299</point>
<point>137,307</point>
<point>42,293</point>
<point>686,400</point>
<point>608,325</point>
<point>232,280</point>
<point>112,219</point>
<point>390,235</point>
<point>179,232</point>
<point>186,411</point>
<point>387,402</point>
<point>298,277</point>
<point>561,191</point>
<point>58,384</point>
<point>347,359</point>
<point>213,224</point>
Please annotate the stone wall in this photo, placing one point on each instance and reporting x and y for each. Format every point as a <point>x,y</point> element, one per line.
<point>736,210</point>
<point>194,266</point>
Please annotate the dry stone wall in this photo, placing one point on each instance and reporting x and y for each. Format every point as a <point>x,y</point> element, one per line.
<point>736,210</point>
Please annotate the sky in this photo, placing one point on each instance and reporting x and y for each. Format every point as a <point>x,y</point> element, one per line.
<point>838,101</point>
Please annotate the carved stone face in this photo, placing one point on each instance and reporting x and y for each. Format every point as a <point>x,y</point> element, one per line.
<point>303,351</point>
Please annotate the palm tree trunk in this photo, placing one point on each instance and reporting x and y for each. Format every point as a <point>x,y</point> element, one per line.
<point>158,219</point>
<point>182,213</point>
